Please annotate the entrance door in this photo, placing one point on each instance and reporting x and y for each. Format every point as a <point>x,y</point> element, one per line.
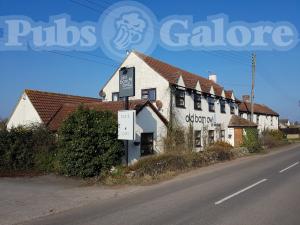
<point>146,144</point>
<point>238,137</point>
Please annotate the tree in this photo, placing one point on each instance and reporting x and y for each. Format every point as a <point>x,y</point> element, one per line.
<point>88,143</point>
<point>3,124</point>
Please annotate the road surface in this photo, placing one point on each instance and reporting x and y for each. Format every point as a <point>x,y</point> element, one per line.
<point>261,190</point>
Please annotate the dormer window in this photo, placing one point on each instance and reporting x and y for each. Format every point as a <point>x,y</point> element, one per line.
<point>180,98</point>
<point>211,104</point>
<point>197,101</point>
<point>222,106</point>
<point>232,108</point>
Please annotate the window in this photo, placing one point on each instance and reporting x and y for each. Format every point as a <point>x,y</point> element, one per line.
<point>197,101</point>
<point>257,119</point>
<point>198,138</point>
<point>146,144</point>
<point>115,96</point>
<point>180,98</point>
<point>211,104</point>
<point>232,108</point>
<point>211,137</point>
<point>222,135</point>
<point>222,106</point>
<point>149,94</point>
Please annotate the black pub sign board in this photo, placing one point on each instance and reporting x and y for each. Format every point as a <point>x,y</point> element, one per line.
<point>127,82</point>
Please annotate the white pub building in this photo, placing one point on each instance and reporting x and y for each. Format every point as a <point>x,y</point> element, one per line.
<point>162,92</point>
<point>187,98</point>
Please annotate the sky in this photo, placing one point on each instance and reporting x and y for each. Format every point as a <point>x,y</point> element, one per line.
<point>79,73</point>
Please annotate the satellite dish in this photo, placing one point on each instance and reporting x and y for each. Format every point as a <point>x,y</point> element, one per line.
<point>102,94</point>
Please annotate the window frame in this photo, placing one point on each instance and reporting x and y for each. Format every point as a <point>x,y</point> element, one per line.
<point>112,96</point>
<point>197,100</point>
<point>148,90</point>
<point>211,141</point>
<point>197,139</point>
<point>222,103</point>
<point>141,144</point>
<point>211,102</point>
<point>232,108</point>
<point>178,98</point>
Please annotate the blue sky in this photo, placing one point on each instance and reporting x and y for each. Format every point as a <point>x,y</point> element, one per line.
<point>277,83</point>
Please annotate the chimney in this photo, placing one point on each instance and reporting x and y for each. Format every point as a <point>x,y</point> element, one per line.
<point>246,98</point>
<point>213,78</point>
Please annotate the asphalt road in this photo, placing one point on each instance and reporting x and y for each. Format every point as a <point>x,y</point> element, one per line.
<point>262,190</point>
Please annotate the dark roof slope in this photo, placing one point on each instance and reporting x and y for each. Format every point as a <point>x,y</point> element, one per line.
<point>114,107</point>
<point>237,121</point>
<point>47,103</point>
<point>257,108</point>
<point>172,74</point>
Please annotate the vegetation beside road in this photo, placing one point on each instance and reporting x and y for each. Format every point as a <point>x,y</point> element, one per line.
<point>86,146</point>
<point>155,168</point>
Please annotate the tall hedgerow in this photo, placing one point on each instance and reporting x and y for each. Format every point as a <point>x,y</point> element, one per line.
<point>88,143</point>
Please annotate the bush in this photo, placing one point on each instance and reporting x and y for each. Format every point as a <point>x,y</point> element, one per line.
<point>251,140</point>
<point>3,124</point>
<point>273,138</point>
<point>21,148</point>
<point>222,150</point>
<point>158,165</point>
<point>88,143</point>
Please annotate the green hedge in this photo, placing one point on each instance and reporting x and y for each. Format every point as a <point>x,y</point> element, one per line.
<point>88,143</point>
<point>21,149</point>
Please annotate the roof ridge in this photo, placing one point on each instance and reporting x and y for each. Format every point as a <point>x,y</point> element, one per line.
<point>199,77</point>
<point>59,94</point>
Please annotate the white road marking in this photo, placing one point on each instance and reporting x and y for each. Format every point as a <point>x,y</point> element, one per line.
<point>239,192</point>
<point>289,167</point>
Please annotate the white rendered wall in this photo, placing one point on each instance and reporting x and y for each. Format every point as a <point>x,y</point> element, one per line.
<point>145,78</point>
<point>265,122</point>
<point>147,121</point>
<point>210,118</point>
<point>24,114</point>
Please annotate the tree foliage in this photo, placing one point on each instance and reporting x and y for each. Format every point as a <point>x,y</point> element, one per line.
<point>21,147</point>
<point>251,140</point>
<point>88,143</point>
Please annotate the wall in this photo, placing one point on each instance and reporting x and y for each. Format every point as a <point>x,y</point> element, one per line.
<point>265,121</point>
<point>24,114</point>
<point>145,78</point>
<point>147,121</point>
<point>208,119</point>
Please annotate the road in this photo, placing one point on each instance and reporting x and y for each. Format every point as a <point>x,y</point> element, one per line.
<point>260,190</point>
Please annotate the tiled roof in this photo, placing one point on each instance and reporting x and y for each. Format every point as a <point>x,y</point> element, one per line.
<point>257,108</point>
<point>47,104</point>
<point>237,121</point>
<point>67,109</point>
<point>172,74</point>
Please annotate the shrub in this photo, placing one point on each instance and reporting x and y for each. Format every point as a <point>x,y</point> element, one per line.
<point>21,146</point>
<point>251,140</point>
<point>88,143</point>
<point>273,138</point>
<point>175,139</point>
<point>3,124</point>
<point>222,150</point>
<point>158,165</point>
